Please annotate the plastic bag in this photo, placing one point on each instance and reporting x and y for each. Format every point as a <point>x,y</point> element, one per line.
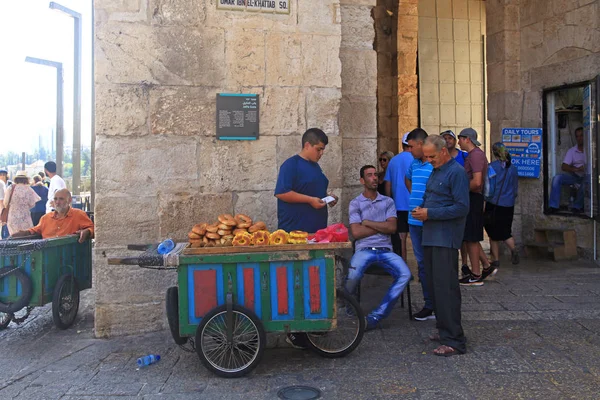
<point>333,233</point>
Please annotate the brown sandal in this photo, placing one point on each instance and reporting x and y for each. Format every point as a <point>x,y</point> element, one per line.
<point>445,351</point>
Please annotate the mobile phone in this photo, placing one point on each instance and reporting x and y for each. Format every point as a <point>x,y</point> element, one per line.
<point>328,199</point>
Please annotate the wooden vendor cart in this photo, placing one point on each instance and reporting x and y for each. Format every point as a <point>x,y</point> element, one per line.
<point>227,298</point>
<point>34,272</point>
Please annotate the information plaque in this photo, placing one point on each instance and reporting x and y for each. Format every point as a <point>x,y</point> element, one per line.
<point>237,116</point>
<point>525,148</point>
<point>262,6</point>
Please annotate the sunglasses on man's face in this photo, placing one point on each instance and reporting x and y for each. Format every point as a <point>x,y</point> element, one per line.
<point>383,159</point>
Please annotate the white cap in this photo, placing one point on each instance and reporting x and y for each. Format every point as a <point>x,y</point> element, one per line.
<point>404,138</point>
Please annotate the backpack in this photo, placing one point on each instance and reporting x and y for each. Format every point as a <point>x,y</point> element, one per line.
<point>489,185</point>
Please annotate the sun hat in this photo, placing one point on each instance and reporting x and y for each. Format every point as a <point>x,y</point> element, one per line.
<point>21,174</point>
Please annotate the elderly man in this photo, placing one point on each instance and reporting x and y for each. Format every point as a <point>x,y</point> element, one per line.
<point>444,211</point>
<point>573,167</point>
<point>63,221</point>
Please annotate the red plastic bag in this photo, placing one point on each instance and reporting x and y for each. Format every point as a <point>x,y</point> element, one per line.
<point>333,233</point>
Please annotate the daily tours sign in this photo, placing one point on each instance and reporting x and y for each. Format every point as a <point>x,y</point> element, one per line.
<point>525,148</point>
<point>263,6</point>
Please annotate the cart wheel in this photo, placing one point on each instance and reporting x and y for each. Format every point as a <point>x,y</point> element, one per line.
<point>26,289</point>
<point>348,333</point>
<point>5,319</point>
<point>65,301</point>
<point>235,359</point>
<point>172,305</point>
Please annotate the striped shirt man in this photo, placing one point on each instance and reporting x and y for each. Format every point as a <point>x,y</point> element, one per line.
<point>378,210</point>
<point>418,174</point>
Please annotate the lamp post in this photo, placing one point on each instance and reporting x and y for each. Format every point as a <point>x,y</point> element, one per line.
<point>76,92</point>
<point>59,107</point>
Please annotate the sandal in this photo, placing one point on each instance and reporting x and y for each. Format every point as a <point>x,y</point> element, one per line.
<point>445,351</point>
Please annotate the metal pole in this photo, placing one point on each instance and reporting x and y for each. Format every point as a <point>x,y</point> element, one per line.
<point>23,161</point>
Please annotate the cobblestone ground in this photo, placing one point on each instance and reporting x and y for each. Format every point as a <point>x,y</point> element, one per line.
<point>532,333</point>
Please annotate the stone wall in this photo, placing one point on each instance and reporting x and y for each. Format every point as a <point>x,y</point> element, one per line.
<point>159,65</point>
<point>533,45</point>
<point>408,96</point>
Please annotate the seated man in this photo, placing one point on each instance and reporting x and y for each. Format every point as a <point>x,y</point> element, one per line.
<point>574,167</point>
<point>63,221</point>
<point>372,222</point>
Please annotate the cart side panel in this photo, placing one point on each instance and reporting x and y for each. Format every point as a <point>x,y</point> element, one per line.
<point>315,289</point>
<point>248,287</point>
<point>66,258</point>
<point>282,291</point>
<point>204,290</point>
<point>10,287</point>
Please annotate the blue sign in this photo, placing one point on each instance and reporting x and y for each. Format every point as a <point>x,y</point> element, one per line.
<point>525,148</point>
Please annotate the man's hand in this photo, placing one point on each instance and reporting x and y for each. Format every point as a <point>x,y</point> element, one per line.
<point>333,203</point>
<point>83,235</point>
<point>317,203</point>
<point>420,214</point>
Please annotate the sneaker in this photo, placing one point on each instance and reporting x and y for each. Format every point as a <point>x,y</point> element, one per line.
<point>466,271</point>
<point>490,271</point>
<point>297,341</point>
<point>372,322</point>
<point>424,315</point>
<point>514,257</point>
<point>471,280</point>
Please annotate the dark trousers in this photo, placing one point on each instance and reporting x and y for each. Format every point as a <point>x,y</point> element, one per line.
<point>441,267</point>
<point>36,215</point>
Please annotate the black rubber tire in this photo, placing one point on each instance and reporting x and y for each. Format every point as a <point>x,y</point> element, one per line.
<point>5,319</point>
<point>172,306</point>
<point>26,290</point>
<point>61,291</point>
<point>218,316</point>
<point>356,317</point>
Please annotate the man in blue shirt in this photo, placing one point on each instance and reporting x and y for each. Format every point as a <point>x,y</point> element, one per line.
<point>444,211</point>
<point>395,187</point>
<point>451,140</point>
<point>372,221</point>
<point>416,181</point>
<point>302,185</point>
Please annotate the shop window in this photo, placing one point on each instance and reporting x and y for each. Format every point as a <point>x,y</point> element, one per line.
<point>570,150</point>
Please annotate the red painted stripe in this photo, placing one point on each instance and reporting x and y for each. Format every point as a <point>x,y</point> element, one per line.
<point>314,283</point>
<point>249,288</point>
<point>205,291</point>
<point>282,291</point>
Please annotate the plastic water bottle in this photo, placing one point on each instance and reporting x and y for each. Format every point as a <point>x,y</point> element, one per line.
<point>147,360</point>
<point>166,246</point>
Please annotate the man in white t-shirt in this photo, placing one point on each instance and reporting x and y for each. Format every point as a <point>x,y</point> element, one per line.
<point>573,167</point>
<point>56,183</point>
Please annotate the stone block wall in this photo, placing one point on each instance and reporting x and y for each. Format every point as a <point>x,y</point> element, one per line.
<point>533,45</point>
<point>158,67</point>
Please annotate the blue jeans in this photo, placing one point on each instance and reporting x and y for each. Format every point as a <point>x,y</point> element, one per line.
<point>561,180</point>
<point>5,231</point>
<point>416,236</point>
<point>392,263</point>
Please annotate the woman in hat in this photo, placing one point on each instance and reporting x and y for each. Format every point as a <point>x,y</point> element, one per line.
<point>20,198</point>
<point>384,161</point>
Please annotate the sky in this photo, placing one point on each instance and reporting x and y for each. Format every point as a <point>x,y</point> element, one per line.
<point>28,91</point>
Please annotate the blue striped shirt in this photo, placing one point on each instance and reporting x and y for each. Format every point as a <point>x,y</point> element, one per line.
<point>418,174</point>
<point>378,210</point>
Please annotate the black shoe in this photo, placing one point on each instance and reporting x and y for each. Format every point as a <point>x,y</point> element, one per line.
<point>553,210</point>
<point>471,280</point>
<point>465,270</point>
<point>514,257</point>
<point>297,340</point>
<point>491,270</point>
<point>424,315</point>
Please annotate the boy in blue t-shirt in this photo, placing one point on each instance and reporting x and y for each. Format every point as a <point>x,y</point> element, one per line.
<point>302,185</point>
<point>451,140</point>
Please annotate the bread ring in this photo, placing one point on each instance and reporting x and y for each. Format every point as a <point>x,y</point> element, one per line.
<point>298,234</point>
<point>212,228</point>
<point>223,218</point>
<point>196,245</point>
<point>210,243</point>
<point>227,237</point>
<point>239,230</point>
<point>297,240</point>
<point>196,240</point>
<point>223,232</point>
<point>213,235</point>
<point>278,237</point>
<point>259,226</point>
<point>205,240</point>
<point>199,229</point>
<point>242,219</point>
<point>226,242</point>
<point>260,238</point>
<point>242,239</point>
<point>193,235</point>
<point>224,226</point>
<point>244,225</point>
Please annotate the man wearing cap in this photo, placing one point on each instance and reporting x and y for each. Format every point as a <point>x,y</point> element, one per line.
<point>3,179</point>
<point>64,221</point>
<point>476,165</point>
<point>395,187</point>
<point>56,183</point>
<point>458,155</point>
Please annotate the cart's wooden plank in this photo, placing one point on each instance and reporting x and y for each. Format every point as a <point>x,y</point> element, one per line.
<point>265,249</point>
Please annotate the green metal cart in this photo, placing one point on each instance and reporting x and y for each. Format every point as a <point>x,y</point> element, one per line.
<point>34,272</point>
<point>228,298</point>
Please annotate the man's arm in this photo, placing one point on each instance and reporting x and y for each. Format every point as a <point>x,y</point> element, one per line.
<point>387,227</point>
<point>360,231</point>
<point>295,197</point>
<point>476,184</point>
<point>408,184</point>
<point>388,188</point>
<point>570,168</point>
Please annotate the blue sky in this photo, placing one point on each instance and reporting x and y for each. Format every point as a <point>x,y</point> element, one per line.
<point>28,91</point>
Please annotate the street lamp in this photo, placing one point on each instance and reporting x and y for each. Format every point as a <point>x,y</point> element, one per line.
<point>59,107</point>
<point>76,92</point>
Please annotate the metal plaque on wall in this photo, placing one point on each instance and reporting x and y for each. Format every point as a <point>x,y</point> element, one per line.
<point>237,116</point>
<point>263,6</point>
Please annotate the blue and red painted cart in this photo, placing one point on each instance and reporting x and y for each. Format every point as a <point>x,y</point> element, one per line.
<point>228,298</point>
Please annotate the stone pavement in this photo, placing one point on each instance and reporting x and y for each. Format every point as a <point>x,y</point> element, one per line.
<point>532,333</point>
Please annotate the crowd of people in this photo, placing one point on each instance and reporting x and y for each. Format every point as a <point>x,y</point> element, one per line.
<point>42,207</point>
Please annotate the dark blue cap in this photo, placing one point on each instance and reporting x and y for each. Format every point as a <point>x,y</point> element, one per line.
<point>3,171</point>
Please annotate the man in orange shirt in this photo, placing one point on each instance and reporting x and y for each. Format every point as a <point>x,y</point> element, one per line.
<point>64,221</point>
